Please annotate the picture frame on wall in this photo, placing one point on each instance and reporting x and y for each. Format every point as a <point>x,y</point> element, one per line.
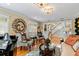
<point>45,27</point>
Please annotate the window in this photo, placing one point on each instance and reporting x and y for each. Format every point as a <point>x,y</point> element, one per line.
<point>3,25</point>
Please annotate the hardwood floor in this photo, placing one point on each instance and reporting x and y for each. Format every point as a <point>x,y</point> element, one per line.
<point>22,52</point>
<point>19,52</point>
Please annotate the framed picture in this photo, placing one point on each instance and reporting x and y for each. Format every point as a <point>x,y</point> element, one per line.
<point>45,27</point>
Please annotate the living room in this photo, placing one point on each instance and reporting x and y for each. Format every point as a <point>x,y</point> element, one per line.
<point>24,27</point>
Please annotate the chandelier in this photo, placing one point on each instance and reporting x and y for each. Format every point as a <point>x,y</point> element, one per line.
<point>45,7</point>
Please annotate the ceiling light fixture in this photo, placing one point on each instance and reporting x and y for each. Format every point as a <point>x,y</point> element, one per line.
<point>45,7</point>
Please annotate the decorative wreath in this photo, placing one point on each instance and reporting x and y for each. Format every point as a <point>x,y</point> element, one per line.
<point>77,26</point>
<point>19,25</point>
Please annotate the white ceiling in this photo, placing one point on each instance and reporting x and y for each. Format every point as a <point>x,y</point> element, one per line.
<point>61,10</point>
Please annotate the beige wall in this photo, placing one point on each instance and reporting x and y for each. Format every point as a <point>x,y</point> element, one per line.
<point>29,24</point>
<point>12,16</point>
